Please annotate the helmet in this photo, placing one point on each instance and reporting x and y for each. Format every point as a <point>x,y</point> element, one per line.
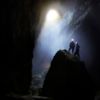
<point>72,39</point>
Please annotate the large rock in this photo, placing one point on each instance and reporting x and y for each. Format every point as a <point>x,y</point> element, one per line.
<point>68,78</point>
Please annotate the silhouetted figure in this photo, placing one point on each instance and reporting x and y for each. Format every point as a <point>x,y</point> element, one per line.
<point>72,46</point>
<point>77,50</point>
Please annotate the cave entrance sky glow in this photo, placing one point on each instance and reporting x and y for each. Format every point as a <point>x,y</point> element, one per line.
<point>53,37</point>
<point>55,34</point>
<point>52,16</point>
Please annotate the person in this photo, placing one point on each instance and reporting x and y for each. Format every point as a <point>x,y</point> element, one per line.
<point>72,46</point>
<point>77,50</point>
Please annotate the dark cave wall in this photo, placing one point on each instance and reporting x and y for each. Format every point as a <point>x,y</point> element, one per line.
<point>17,43</point>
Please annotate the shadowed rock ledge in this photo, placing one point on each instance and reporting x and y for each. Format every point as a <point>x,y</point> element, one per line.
<point>68,78</point>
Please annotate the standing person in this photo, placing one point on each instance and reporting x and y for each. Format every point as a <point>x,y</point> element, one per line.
<point>72,46</point>
<point>77,50</point>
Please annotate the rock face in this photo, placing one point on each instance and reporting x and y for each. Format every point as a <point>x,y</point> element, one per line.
<point>16,47</point>
<point>68,78</point>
